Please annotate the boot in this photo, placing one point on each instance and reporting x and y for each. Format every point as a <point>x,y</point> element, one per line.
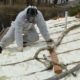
<point>0,49</point>
<point>24,44</point>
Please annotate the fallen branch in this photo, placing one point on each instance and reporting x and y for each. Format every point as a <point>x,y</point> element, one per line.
<point>59,40</point>
<point>64,33</point>
<point>64,74</point>
<point>45,48</point>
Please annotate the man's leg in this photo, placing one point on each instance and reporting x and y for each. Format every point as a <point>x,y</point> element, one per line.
<point>31,36</point>
<point>8,38</point>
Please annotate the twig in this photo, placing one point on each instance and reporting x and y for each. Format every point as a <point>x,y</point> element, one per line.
<point>76,62</point>
<point>67,52</point>
<point>48,68</point>
<point>42,49</point>
<point>18,62</point>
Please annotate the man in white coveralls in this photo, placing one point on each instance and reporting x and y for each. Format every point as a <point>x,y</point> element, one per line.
<point>22,30</point>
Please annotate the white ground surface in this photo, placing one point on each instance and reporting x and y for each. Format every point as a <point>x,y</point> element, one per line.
<point>70,43</point>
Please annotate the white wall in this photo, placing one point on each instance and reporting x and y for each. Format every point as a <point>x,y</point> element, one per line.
<point>59,1</point>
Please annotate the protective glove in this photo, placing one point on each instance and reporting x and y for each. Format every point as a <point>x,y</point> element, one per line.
<point>0,49</point>
<point>20,49</point>
<point>49,42</point>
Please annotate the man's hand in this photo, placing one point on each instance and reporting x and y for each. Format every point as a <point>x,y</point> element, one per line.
<point>49,42</point>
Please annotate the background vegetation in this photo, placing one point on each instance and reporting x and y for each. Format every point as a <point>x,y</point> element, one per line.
<point>8,13</point>
<point>74,10</point>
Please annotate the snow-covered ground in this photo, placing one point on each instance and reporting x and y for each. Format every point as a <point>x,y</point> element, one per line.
<point>68,51</point>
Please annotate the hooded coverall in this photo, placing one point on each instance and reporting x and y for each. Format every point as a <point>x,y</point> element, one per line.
<point>21,26</point>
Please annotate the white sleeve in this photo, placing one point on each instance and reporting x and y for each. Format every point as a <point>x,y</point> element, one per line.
<point>19,23</point>
<point>42,26</point>
<point>19,36</point>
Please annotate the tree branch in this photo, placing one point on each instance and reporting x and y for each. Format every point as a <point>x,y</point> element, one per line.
<point>46,48</point>
<point>64,74</point>
<point>64,33</point>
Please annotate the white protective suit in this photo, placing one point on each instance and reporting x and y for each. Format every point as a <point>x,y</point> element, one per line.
<point>21,26</point>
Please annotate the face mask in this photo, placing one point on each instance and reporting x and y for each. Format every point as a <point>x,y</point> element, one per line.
<point>31,19</point>
<point>31,13</point>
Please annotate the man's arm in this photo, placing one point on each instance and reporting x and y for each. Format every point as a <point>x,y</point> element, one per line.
<point>19,37</point>
<point>42,26</point>
<point>19,23</point>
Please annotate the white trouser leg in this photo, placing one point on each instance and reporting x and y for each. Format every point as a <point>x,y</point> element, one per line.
<point>31,36</point>
<point>8,38</point>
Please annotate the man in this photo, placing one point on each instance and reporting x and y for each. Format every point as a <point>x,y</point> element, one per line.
<point>22,30</point>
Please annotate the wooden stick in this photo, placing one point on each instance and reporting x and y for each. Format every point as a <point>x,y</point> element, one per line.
<point>57,68</point>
